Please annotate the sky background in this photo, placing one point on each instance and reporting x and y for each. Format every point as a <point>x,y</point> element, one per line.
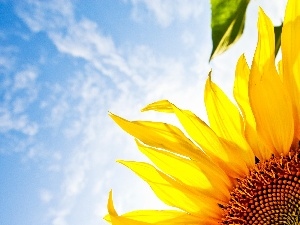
<point>64,65</point>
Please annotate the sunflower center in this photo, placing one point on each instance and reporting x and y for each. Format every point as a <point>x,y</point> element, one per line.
<point>270,194</point>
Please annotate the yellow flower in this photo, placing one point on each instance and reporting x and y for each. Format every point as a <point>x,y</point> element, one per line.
<point>241,169</point>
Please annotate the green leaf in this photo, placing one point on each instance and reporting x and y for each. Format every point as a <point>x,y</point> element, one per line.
<point>277,31</point>
<point>227,23</point>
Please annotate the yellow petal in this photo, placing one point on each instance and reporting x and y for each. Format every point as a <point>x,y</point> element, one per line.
<point>290,46</point>
<point>174,193</point>
<point>178,167</point>
<point>159,106</point>
<point>167,217</point>
<point>110,205</point>
<point>155,217</point>
<point>225,119</point>
<point>159,135</point>
<point>119,220</point>
<point>191,173</point>
<point>269,99</point>
<point>218,150</point>
<point>113,217</point>
<point>242,98</point>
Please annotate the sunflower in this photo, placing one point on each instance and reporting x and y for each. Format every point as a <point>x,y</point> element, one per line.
<point>242,168</point>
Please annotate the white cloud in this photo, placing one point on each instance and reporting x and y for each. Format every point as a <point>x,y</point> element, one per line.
<point>6,58</point>
<point>42,13</point>
<point>24,79</point>
<point>9,122</point>
<point>20,91</point>
<point>188,38</point>
<point>59,217</point>
<point>81,38</point>
<point>109,81</point>
<point>45,195</point>
<point>166,11</point>
<point>5,63</point>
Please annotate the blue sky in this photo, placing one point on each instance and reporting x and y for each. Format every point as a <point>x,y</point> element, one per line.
<point>64,65</point>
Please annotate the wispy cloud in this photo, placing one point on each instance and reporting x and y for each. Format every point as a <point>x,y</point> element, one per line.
<point>45,195</point>
<point>19,91</point>
<point>112,79</point>
<point>6,58</point>
<point>165,12</point>
<point>78,38</point>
